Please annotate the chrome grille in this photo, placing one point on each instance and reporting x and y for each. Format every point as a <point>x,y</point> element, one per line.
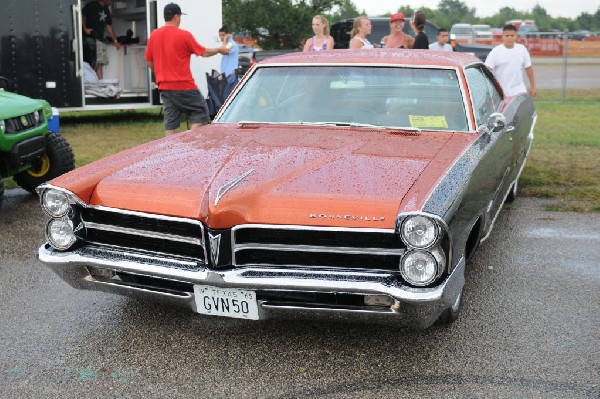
<point>145,233</point>
<point>372,249</point>
<point>22,123</point>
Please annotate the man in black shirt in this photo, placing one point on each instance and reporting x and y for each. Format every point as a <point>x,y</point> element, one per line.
<point>96,18</point>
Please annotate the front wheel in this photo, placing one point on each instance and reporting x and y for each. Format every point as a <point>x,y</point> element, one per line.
<point>1,191</point>
<point>451,314</point>
<point>58,160</point>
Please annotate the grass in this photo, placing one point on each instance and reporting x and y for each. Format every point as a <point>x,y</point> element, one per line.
<point>565,159</point>
<point>96,135</point>
<point>563,164</point>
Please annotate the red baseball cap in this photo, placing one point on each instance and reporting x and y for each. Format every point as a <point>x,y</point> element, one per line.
<point>397,17</point>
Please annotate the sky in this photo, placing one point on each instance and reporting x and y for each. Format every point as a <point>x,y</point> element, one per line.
<point>485,8</point>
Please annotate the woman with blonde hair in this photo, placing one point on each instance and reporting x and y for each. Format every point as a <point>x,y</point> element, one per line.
<point>361,28</point>
<point>321,40</point>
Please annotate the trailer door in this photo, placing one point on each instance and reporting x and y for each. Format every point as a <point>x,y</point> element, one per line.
<point>38,50</point>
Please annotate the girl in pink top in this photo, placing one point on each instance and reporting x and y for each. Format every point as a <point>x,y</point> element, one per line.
<point>321,40</point>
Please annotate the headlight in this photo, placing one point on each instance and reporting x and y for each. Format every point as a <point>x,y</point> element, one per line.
<point>419,268</point>
<point>36,116</point>
<point>60,233</point>
<point>55,203</point>
<point>2,126</point>
<point>419,231</point>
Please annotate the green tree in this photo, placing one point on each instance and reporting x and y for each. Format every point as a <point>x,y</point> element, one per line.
<point>346,9</point>
<point>456,11</point>
<point>275,23</point>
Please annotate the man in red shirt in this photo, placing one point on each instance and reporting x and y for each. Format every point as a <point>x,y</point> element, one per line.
<point>168,54</point>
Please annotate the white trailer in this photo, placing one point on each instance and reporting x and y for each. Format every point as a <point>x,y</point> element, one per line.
<point>42,57</point>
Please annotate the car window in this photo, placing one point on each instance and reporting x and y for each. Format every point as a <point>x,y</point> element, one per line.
<point>486,97</point>
<point>427,98</point>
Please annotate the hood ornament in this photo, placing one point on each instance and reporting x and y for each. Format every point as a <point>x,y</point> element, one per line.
<point>215,242</point>
<point>229,185</point>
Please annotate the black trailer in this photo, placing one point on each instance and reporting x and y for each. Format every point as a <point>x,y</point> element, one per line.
<point>41,51</point>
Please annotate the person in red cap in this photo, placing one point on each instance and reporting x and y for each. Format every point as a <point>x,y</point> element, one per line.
<point>168,54</point>
<point>397,38</point>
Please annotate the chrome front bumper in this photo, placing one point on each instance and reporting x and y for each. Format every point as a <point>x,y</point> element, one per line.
<point>95,269</point>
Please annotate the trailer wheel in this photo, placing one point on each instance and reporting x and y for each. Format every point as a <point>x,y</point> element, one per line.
<point>58,159</point>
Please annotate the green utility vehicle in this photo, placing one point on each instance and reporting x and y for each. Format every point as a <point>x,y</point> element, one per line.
<point>30,152</point>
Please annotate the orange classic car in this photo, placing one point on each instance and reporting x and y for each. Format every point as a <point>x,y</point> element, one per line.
<point>341,182</point>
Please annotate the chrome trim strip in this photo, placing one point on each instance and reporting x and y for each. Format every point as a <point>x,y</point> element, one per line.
<point>141,252</point>
<point>144,257</point>
<point>228,186</point>
<point>141,233</point>
<point>312,228</point>
<point>316,248</point>
<point>333,309</point>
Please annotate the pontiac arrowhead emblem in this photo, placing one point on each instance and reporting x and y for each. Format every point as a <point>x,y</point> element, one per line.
<point>215,242</point>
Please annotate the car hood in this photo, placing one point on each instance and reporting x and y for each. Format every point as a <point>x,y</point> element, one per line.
<point>225,175</point>
<point>12,104</point>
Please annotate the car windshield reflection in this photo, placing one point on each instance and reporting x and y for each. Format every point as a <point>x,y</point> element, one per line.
<point>401,97</point>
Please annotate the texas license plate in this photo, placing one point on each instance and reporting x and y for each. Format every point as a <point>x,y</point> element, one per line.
<point>228,302</point>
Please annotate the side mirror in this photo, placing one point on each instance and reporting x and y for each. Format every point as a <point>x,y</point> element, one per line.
<point>496,122</point>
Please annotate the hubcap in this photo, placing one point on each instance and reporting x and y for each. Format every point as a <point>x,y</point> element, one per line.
<point>41,168</point>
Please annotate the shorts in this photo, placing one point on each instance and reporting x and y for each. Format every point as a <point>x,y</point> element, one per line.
<point>179,102</point>
<point>101,54</point>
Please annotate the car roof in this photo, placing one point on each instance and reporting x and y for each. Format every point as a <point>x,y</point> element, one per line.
<point>378,56</point>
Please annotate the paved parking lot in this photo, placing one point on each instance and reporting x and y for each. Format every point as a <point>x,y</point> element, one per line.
<point>529,329</point>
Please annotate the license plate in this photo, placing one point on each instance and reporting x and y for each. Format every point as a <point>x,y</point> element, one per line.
<point>228,302</point>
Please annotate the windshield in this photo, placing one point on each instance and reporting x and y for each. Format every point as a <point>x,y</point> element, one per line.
<point>419,98</point>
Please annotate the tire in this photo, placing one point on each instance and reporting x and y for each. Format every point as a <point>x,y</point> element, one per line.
<point>58,160</point>
<point>1,191</point>
<point>451,314</point>
<point>512,194</point>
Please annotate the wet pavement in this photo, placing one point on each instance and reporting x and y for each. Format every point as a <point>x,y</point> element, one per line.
<point>575,73</point>
<point>529,329</point>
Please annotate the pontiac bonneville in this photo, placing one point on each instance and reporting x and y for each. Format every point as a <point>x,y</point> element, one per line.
<point>352,183</point>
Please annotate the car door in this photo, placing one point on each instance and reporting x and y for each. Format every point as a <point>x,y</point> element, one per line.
<point>487,100</point>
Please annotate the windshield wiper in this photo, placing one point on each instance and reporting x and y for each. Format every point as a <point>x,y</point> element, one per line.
<point>343,124</point>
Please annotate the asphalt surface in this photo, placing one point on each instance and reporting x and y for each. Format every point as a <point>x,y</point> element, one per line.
<point>529,329</point>
<point>574,73</point>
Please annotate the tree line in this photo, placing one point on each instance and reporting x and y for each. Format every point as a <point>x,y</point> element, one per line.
<point>287,23</point>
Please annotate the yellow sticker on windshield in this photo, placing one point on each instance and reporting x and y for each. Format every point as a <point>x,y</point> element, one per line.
<point>427,121</point>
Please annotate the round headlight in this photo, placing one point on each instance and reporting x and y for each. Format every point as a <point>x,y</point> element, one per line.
<point>419,231</point>
<point>2,126</point>
<point>419,268</point>
<point>55,203</point>
<point>60,233</point>
<point>36,116</point>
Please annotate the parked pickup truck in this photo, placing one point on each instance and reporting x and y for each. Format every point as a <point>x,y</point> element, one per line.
<point>340,31</point>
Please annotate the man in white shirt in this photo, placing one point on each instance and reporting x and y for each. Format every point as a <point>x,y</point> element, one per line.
<point>508,60</point>
<point>442,41</point>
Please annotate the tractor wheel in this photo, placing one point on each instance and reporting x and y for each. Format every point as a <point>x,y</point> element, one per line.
<point>58,159</point>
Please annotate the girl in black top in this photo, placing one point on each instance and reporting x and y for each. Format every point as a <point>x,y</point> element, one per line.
<point>418,25</point>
